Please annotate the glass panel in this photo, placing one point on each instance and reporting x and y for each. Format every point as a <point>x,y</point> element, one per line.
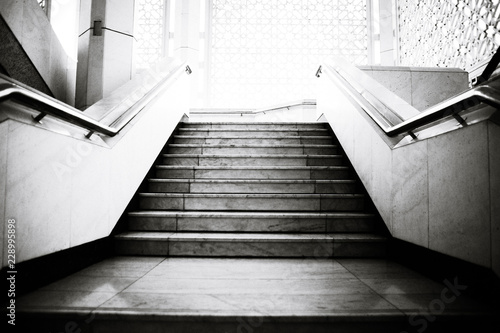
<point>265,52</point>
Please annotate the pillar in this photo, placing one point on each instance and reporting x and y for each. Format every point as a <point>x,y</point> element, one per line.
<point>105,48</point>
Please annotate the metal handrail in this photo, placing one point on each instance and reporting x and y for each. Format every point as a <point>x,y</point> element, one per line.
<point>50,106</point>
<point>487,93</point>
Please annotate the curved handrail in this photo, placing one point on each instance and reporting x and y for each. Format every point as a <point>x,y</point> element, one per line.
<point>48,105</point>
<point>487,93</point>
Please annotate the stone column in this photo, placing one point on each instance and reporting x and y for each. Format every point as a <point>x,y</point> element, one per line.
<point>187,40</point>
<point>105,48</point>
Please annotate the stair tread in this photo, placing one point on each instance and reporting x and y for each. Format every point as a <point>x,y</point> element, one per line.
<point>225,129</point>
<point>254,181</point>
<point>256,237</point>
<point>253,156</point>
<point>326,137</point>
<point>258,167</point>
<point>208,145</point>
<point>251,195</point>
<point>248,214</point>
<point>253,123</point>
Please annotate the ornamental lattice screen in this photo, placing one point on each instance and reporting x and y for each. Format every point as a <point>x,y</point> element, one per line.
<point>264,52</point>
<point>150,34</point>
<point>451,33</point>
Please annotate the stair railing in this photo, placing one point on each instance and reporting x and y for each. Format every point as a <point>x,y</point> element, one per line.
<point>344,75</point>
<point>13,90</point>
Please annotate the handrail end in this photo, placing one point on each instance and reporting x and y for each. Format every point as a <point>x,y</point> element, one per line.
<point>319,72</point>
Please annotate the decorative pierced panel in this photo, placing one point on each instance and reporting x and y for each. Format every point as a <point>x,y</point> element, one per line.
<point>444,33</point>
<point>265,52</point>
<point>150,32</point>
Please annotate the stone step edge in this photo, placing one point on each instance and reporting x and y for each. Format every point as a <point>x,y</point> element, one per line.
<point>257,167</point>
<point>253,215</point>
<point>324,137</point>
<point>151,317</point>
<point>203,129</point>
<point>290,156</point>
<point>203,145</point>
<point>246,237</point>
<point>322,124</point>
<point>252,181</point>
<point>252,195</point>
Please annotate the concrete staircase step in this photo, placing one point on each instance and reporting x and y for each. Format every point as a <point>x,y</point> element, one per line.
<point>252,202</point>
<point>253,125</point>
<point>248,132</point>
<point>250,245</point>
<point>250,186</point>
<point>254,172</point>
<point>254,160</point>
<point>250,140</point>
<point>253,149</point>
<point>206,221</point>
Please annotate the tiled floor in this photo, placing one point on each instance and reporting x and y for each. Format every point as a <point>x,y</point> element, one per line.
<point>265,288</point>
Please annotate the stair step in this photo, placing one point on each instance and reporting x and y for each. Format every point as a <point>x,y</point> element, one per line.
<point>253,125</point>
<point>250,186</point>
<point>250,222</point>
<point>253,149</point>
<point>250,140</point>
<point>252,202</point>
<point>250,245</point>
<point>255,160</point>
<point>255,172</point>
<point>248,132</point>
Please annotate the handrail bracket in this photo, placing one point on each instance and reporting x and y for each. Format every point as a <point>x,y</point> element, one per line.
<point>39,118</point>
<point>460,120</point>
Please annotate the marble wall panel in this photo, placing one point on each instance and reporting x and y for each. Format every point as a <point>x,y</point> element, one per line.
<point>117,61</point>
<point>382,178</point>
<point>397,81</point>
<point>64,191</point>
<point>363,151</point>
<point>4,127</point>
<point>118,15</point>
<point>410,194</point>
<point>11,11</point>
<point>432,87</point>
<point>494,155</point>
<point>34,196</point>
<point>90,196</point>
<point>36,38</point>
<point>459,202</point>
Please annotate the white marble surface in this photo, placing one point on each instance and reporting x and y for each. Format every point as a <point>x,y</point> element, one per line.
<point>11,11</point>
<point>410,204</point>
<point>443,193</point>
<point>494,156</point>
<point>382,177</point>
<point>430,88</point>
<point>64,191</point>
<point>118,15</point>
<point>34,32</point>
<point>279,291</point>
<point>459,195</point>
<point>4,128</point>
<point>421,87</point>
<point>117,62</point>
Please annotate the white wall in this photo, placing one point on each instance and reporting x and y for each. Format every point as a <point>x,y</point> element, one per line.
<point>64,190</point>
<point>34,32</point>
<point>440,193</point>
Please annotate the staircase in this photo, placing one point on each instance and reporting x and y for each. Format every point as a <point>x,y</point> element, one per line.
<point>252,190</point>
<point>251,227</point>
